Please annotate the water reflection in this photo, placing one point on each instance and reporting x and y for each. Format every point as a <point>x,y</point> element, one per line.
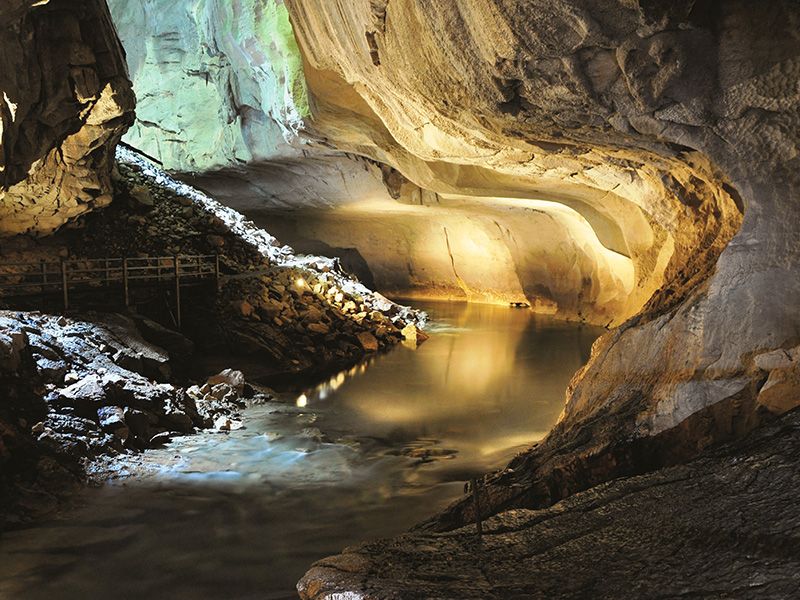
<point>490,380</point>
<point>367,453</point>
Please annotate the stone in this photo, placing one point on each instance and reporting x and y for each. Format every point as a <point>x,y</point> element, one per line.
<point>215,241</point>
<point>226,423</point>
<point>367,341</point>
<point>413,334</point>
<point>111,418</point>
<point>87,391</point>
<point>220,391</point>
<point>142,195</point>
<point>245,309</point>
<point>52,371</point>
<point>178,420</point>
<point>781,391</point>
<point>160,439</point>
<point>139,423</point>
<point>319,328</point>
<point>234,379</point>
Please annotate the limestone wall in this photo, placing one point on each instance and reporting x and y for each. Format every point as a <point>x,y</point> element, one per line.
<point>684,114</point>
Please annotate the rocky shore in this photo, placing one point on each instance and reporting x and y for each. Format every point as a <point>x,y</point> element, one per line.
<point>282,312</point>
<point>107,384</point>
<point>76,390</point>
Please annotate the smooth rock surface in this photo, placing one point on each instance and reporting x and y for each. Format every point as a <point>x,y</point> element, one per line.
<point>724,526</point>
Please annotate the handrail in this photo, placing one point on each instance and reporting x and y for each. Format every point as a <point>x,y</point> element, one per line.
<point>38,277</point>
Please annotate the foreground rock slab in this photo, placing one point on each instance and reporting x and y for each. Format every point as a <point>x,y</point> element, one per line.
<point>724,526</point>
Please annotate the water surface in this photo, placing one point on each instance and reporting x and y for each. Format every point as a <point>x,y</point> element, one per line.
<point>366,454</point>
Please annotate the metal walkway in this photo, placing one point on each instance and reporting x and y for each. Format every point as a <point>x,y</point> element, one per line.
<point>66,276</point>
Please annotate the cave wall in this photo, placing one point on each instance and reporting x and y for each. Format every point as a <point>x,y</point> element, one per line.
<point>66,101</point>
<point>219,83</point>
<point>683,113</point>
<point>496,251</point>
<point>228,100</point>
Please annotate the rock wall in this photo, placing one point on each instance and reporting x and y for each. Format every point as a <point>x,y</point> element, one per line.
<point>219,83</point>
<point>496,251</point>
<point>683,115</point>
<point>66,101</point>
<point>224,100</point>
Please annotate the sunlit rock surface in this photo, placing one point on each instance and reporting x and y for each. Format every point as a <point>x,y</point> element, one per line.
<point>672,127</point>
<point>65,101</point>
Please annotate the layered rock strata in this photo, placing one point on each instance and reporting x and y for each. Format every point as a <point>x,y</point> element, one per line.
<point>683,116</point>
<point>65,101</point>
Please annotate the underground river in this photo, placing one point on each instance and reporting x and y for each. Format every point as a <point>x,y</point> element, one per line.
<point>366,454</point>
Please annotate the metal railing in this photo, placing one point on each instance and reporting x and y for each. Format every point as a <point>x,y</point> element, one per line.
<point>31,279</point>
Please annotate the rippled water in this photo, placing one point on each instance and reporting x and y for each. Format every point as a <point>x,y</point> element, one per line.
<point>368,453</point>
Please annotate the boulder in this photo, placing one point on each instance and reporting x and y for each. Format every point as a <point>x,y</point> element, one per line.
<point>413,334</point>
<point>234,379</point>
<point>111,418</point>
<point>142,195</point>
<point>368,341</point>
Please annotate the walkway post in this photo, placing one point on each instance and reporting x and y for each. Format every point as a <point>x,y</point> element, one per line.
<point>177,290</point>
<point>476,500</point>
<point>125,282</point>
<point>65,284</point>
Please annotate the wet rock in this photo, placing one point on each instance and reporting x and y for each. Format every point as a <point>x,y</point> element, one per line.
<point>226,423</point>
<point>160,439</point>
<point>85,393</point>
<point>111,418</point>
<point>139,423</point>
<point>695,529</point>
<point>51,371</point>
<point>179,420</point>
<point>412,334</point>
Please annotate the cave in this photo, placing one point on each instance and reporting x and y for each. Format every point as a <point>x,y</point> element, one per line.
<point>399,299</point>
